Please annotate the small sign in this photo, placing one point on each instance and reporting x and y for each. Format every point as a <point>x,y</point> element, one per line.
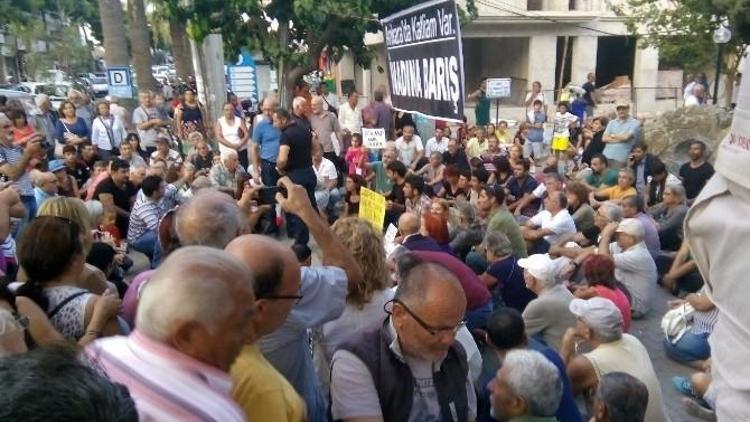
<point>498,88</point>
<point>373,138</point>
<point>119,82</point>
<point>243,77</point>
<point>372,207</point>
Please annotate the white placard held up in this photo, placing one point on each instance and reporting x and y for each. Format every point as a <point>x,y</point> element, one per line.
<point>373,138</point>
<point>498,87</point>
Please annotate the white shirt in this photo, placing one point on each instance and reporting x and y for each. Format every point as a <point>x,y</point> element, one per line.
<point>692,100</point>
<point>350,119</point>
<point>635,268</point>
<point>433,145</point>
<point>330,100</point>
<point>325,172</point>
<point>408,150</point>
<point>561,224</point>
<point>105,139</point>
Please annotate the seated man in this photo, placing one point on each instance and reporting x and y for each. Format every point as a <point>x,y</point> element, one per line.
<point>192,321</point>
<point>632,207</point>
<point>601,175</point>
<point>551,182</point>
<point>527,387</point>
<point>417,202</point>
<point>518,186</point>
<point>413,359</point>
<point>625,187</point>
<point>408,227</point>
<point>326,193</point>
<point>549,226</point>
<point>620,397</point>
<point>228,173</point>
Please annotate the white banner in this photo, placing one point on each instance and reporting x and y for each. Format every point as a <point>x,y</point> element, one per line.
<point>373,138</point>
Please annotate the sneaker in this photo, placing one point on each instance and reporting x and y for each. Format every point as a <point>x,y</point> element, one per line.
<point>684,386</point>
<point>694,408</point>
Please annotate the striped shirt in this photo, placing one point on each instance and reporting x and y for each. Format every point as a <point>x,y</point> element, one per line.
<point>165,384</point>
<point>13,155</point>
<point>146,213</point>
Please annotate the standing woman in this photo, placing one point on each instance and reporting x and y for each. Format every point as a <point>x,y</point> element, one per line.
<point>232,134</point>
<point>190,116</point>
<point>107,132</point>
<point>135,142</point>
<point>70,129</point>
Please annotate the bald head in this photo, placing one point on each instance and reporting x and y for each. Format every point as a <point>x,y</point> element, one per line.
<point>298,105</point>
<point>428,284</point>
<point>408,224</point>
<point>209,218</point>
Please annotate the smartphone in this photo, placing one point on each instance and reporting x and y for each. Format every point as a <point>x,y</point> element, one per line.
<point>267,194</point>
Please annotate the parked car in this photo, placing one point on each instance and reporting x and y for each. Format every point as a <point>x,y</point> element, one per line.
<point>100,86</point>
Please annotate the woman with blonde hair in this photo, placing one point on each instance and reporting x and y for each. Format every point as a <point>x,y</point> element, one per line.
<point>365,301</point>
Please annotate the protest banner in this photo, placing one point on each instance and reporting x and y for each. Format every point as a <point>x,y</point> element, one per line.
<point>425,60</point>
<point>372,207</point>
<point>373,138</point>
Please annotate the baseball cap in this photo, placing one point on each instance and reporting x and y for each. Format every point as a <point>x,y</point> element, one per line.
<point>539,265</point>
<point>632,227</point>
<point>598,313</point>
<point>56,165</point>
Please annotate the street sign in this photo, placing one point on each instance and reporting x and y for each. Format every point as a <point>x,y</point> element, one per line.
<point>498,88</point>
<point>119,82</point>
<point>243,80</point>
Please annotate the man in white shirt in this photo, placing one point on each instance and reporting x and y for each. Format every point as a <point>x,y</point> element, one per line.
<point>697,96</point>
<point>326,193</point>
<point>410,148</point>
<point>350,115</point>
<point>437,143</point>
<point>330,101</point>
<point>549,226</point>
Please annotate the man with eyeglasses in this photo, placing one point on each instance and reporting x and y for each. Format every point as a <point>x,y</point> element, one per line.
<point>290,301</point>
<point>412,367</point>
<point>264,150</point>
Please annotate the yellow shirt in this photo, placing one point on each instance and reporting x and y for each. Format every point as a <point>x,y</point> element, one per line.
<point>615,192</point>
<point>262,392</point>
<point>474,148</point>
<point>503,137</point>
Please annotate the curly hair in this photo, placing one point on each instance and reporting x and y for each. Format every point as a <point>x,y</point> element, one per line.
<point>366,244</point>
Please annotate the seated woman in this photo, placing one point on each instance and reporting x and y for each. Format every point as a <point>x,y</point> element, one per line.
<point>436,227</point>
<point>432,172</point>
<point>683,275</point>
<point>467,233</point>
<point>503,276</point>
<point>669,216</point>
<point>451,189</point>
<point>692,347</point>
<point>599,273</point>
<point>659,180</point>
<point>51,252</point>
<point>625,187</point>
<point>578,205</point>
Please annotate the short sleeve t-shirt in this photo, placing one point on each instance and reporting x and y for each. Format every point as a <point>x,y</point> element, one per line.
<point>616,192</point>
<point>408,150</point>
<point>693,179</point>
<point>121,198</point>
<point>299,141</point>
<point>609,178</point>
<point>562,123</point>
<point>142,115</point>
<point>561,224</point>
<point>326,171</point>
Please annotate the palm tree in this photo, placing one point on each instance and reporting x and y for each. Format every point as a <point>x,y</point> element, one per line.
<point>113,29</point>
<point>183,56</point>
<point>141,43</point>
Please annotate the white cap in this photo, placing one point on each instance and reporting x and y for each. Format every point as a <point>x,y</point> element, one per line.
<point>539,265</point>
<point>632,227</point>
<point>600,314</point>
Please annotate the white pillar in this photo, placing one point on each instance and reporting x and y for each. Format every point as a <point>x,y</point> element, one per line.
<point>542,61</point>
<point>208,62</point>
<point>645,76</point>
<point>584,58</point>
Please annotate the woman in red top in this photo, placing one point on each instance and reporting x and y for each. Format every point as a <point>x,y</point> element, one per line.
<point>599,271</point>
<point>23,132</point>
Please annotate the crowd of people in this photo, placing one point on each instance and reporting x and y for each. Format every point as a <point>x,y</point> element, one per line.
<point>142,255</point>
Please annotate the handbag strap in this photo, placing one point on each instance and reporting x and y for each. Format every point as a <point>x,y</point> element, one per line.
<point>64,302</point>
<point>110,131</point>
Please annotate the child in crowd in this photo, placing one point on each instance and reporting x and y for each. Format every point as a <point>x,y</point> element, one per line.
<point>351,200</point>
<point>502,134</point>
<point>356,156</point>
<point>563,123</point>
<point>432,172</point>
<point>108,226</point>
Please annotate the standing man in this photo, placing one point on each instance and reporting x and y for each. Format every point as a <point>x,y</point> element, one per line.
<point>482,108</point>
<point>326,126</point>
<point>117,191</point>
<point>330,102</point>
<point>264,151</point>
<point>590,96</point>
<point>620,135</point>
<point>350,117</point>
<point>295,161</point>
<point>378,114</point>
<point>48,119</point>
<point>148,121</point>
<point>696,172</point>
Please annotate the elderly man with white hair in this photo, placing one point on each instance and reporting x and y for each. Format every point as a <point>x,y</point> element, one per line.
<point>547,316</point>
<point>193,319</point>
<point>226,174</point>
<point>527,387</point>
<point>599,327</point>
<point>634,266</point>
<point>47,117</point>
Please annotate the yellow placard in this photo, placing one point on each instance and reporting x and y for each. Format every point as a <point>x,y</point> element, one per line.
<point>372,207</point>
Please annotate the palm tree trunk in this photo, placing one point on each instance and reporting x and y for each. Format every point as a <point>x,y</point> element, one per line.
<point>113,28</point>
<point>183,58</point>
<point>141,43</point>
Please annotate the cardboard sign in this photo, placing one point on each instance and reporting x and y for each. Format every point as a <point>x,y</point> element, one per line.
<point>373,138</point>
<point>498,88</point>
<point>372,207</point>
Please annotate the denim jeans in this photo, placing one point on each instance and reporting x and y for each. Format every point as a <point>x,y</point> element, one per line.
<point>690,347</point>
<point>295,227</point>
<point>29,202</point>
<point>146,243</point>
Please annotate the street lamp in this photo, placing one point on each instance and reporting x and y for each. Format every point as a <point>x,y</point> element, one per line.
<point>722,35</point>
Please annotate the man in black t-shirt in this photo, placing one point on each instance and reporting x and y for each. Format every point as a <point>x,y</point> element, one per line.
<point>695,173</point>
<point>396,205</point>
<point>295,161</point>
<point>118,192</point>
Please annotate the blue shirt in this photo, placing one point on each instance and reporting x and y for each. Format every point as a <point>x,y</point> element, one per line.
<point>324,292</point>
<point>41,196</point>
<point>619,151</point>
<point>78,128</point>
<point>536,134</point>
<point>268,139</point>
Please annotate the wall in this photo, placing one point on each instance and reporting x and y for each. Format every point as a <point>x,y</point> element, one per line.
<point>494,57</point>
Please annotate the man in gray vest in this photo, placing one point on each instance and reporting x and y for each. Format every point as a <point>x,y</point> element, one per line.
<point>410,368</point>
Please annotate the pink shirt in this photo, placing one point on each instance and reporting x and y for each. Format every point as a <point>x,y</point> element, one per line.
<point>620,300</point>
<point>165,384</point>
<point>130,300</point>
<point>356,158</point>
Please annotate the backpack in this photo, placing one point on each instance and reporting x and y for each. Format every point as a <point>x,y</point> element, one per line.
<point>676,322</point>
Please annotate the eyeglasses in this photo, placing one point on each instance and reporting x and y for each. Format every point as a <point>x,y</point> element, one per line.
<point>296,298</point>
<point>434,331</point>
